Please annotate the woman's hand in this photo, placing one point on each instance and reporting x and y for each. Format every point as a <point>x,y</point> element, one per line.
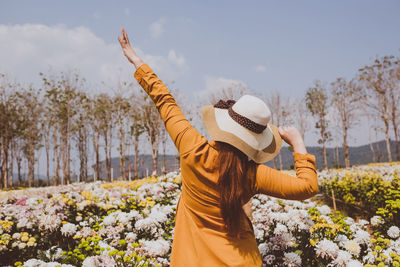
<point>293,137</point>
<point>128,50</point>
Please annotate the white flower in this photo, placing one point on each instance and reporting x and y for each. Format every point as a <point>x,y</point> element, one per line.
<point>353,247</point>
<point>342,258</point>
<point>16,235</point>
<point>354,263</point>
<point>280,229</point>
<point>341,240</point>
<point>158,247</point>
<point>78,218</point>
<point>109,219</point>
<point>21,245</point>
<point>376,220</point>
<point>363,222</point>
<point>31,201</point>
<point>259,234</point>
<point>34,263</point>
<point>324,210</point>
<point>68,229</point>
<point>292,259</point>
<point>269,259</point>
<point>100,260</point>
<point>362,237</point>
<point>393,232</point>
<point>326,249</point>
<point>49,222</point>
<point>130,237</point>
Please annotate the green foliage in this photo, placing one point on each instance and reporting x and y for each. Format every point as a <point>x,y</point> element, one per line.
<point>370,193</point>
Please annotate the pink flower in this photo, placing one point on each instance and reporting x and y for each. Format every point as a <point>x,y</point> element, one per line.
<point>21,202</point>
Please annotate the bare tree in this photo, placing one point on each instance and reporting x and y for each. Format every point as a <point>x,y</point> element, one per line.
<point>103,113</point>
<point>122,109</point>
<point>32,112</point>
<point>136,127</point>
<point>152,124</point>
<point>300,116</point>
<point>345,100</point>
<point>10,125</point>
<point>394,75</point>
<point>317,104</point>
<point>377,81</point>
<point>232,91</point>
<point>281,110</point>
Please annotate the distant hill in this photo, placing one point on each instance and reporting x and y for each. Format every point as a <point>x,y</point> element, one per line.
<point>358,155</point>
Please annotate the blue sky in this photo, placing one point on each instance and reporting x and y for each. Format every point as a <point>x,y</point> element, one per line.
<point>267,45</point>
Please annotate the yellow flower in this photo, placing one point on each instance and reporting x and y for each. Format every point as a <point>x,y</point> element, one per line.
<point>24,238</point>
<point>312,242</point>
<point>32,239</point>
<point>30,244</point>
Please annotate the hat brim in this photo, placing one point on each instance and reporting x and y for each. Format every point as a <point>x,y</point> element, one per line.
<point>257,151</point>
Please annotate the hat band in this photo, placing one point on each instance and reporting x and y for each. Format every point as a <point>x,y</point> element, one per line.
<point>243,121</point>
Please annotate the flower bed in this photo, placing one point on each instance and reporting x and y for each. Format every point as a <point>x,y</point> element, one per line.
<point>131,224</point>
<point>375,189</point>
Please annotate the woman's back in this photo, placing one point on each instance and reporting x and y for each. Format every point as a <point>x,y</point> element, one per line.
<point>200,236</point>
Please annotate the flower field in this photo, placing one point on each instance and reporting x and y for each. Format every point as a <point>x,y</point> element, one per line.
<point>131,223</point>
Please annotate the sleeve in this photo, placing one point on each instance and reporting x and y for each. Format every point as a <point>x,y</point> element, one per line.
<point>184,136</point>
<point>277,184</point>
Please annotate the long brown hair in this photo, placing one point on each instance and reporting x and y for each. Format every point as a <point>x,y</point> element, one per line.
<point>236,179</point>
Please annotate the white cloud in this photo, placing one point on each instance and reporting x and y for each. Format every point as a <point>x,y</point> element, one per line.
<point>222,88</point>
<point>213,83</point>
<point>26,50</point>
<point>178,60</point>
<point>260,68</point>
<point>157,28</point>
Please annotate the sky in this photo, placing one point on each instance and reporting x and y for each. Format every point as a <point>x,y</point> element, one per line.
<point>196,46</point>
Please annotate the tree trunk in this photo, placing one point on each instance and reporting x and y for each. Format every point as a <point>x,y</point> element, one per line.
<point>396,137</point>
<point>136,148</point>
<point>5,165</point>
<point>121,150</point>
<point>394,121</point>
<point>85,155</point>
<point>12,166</point>
<point>56,159</point>
<point>154,154</point>
<point>337,157</point>
<point>19,160</point>
<point>47,149</point>
<point>387,139</point>
<point>97,153</point>
<point>164,145</point>
<point>324,156</point>
<point>64,159</point>
<point>31,163</point>
<point>378,149</point>
<point>280,161</point>
<point>346,149</point>
<point>372,152</point>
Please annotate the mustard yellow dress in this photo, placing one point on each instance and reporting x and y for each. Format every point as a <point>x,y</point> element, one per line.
<point>200,238</point>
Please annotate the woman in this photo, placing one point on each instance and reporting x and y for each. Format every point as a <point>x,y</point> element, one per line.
<point>220,176</point>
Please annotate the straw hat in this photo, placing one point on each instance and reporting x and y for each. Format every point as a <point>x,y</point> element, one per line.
<point>244,124</point>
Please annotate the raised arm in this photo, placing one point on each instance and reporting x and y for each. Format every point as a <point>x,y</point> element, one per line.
<point>277,184</point>
<point>184,136</point>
